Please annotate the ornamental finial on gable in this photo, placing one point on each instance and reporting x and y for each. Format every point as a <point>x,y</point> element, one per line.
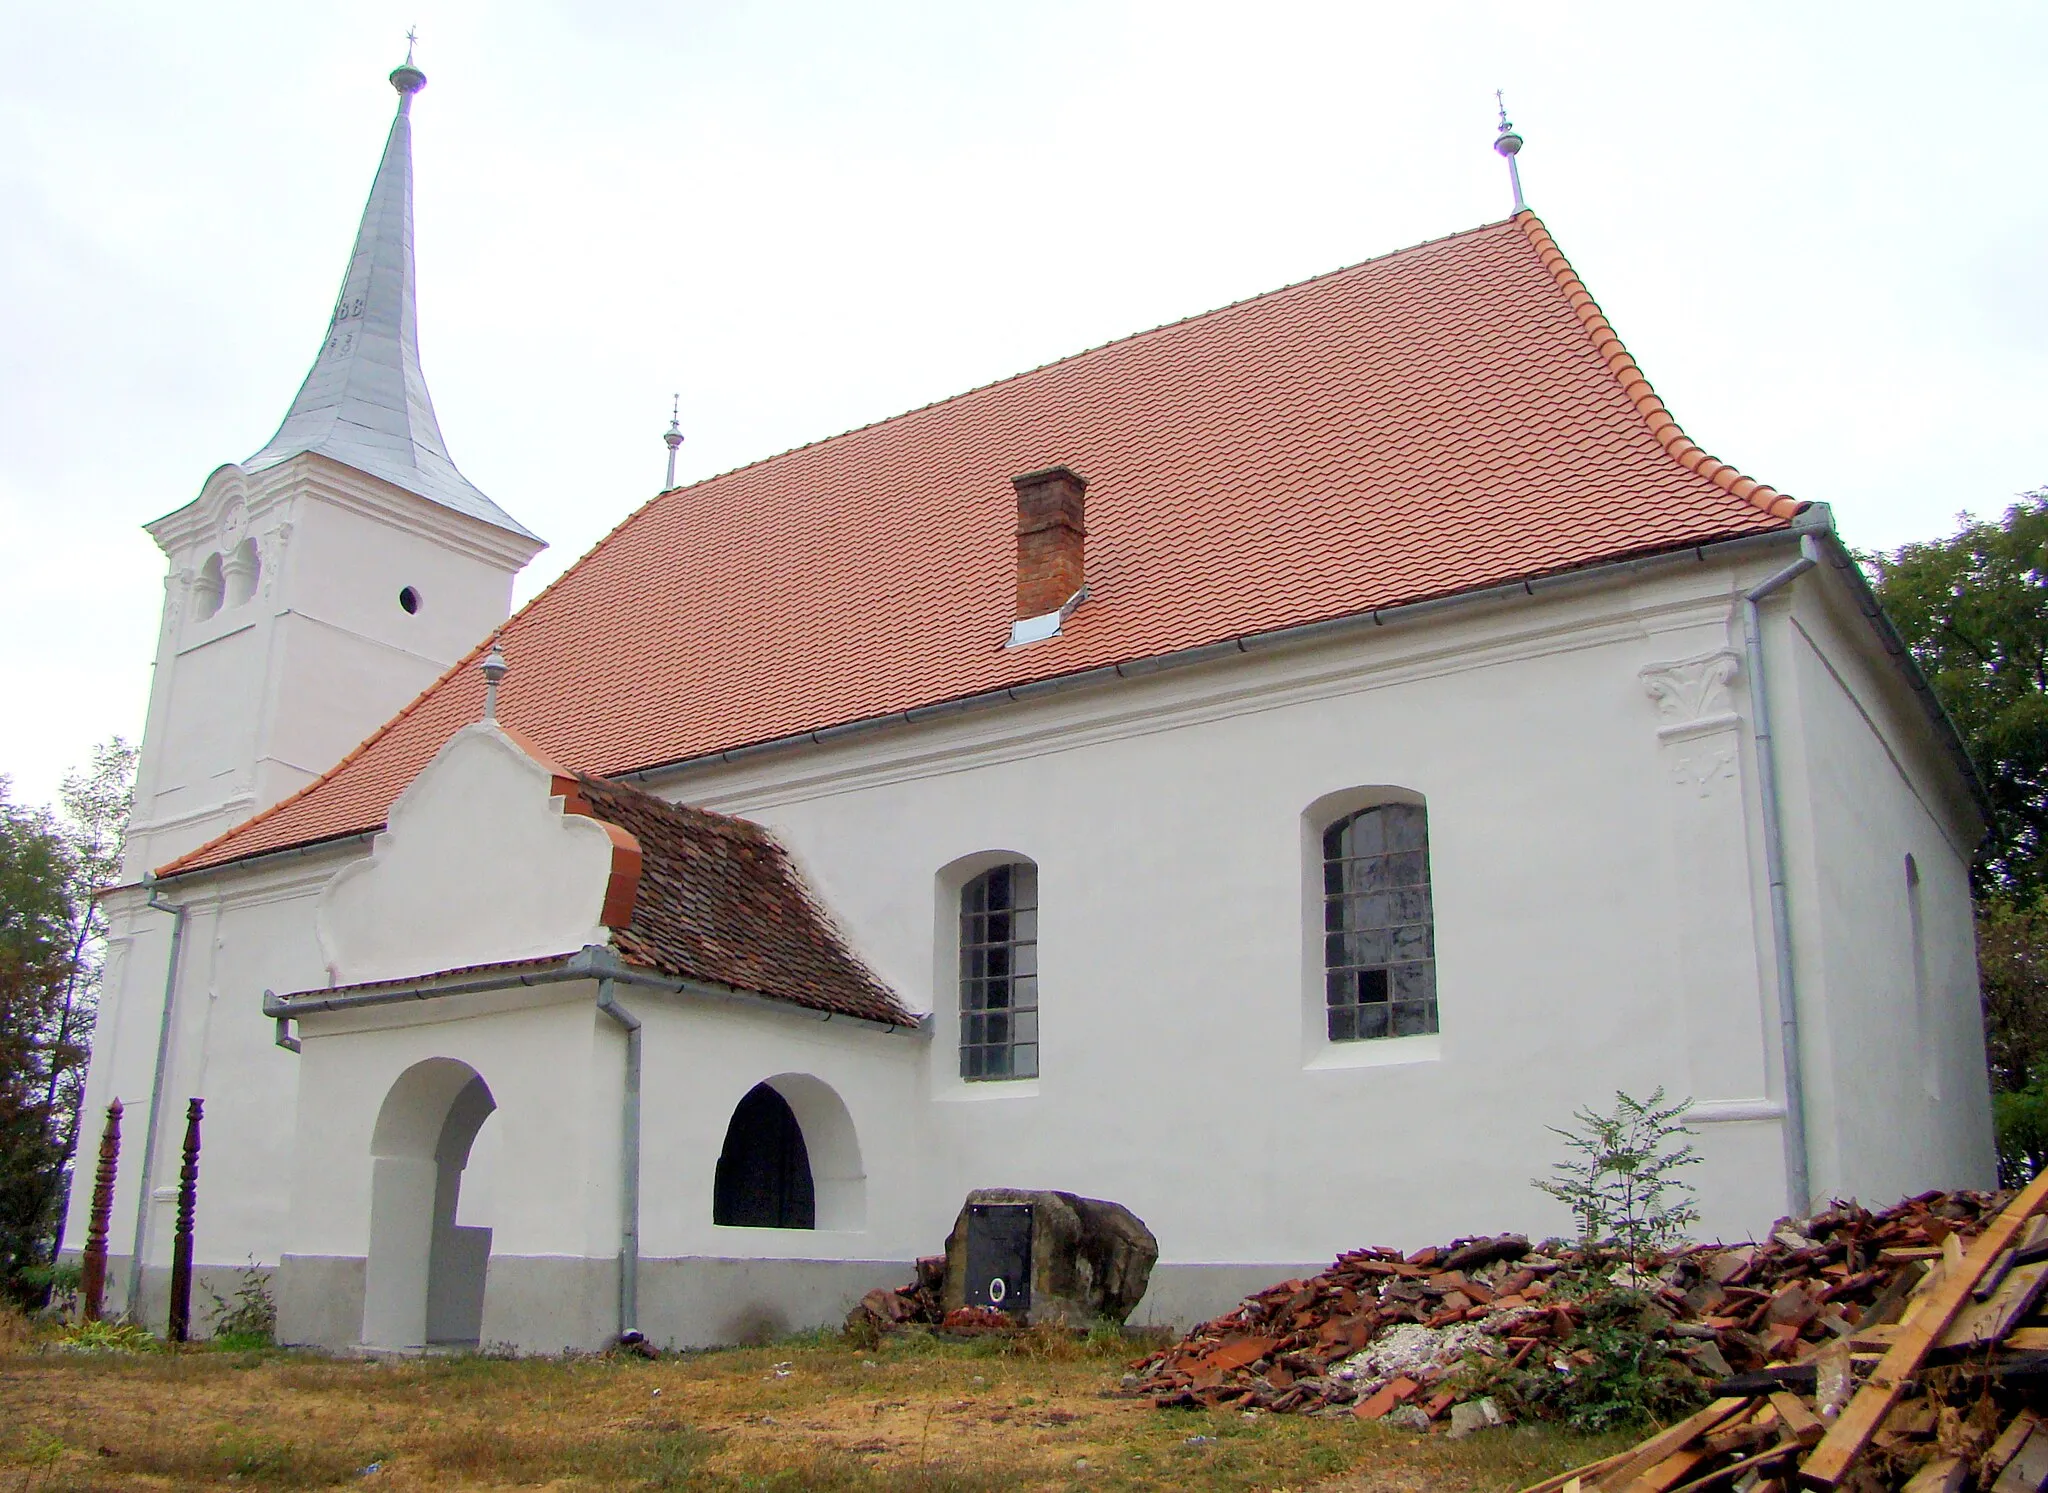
<point>495,669</point>
<point>1509,144</point>
<point>672,439</point>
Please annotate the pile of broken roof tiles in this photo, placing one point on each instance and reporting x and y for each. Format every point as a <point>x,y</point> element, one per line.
<point>1891,1350</point>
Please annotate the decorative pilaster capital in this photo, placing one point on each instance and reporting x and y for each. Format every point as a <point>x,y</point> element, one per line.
<point>1692,694</point>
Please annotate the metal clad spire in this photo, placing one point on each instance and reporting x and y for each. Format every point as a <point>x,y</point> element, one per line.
<point>365,402</point>
<point>673,439</point>
<point>1509,144</point>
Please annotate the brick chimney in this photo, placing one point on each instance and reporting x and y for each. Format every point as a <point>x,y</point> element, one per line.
<point>1050,539</point>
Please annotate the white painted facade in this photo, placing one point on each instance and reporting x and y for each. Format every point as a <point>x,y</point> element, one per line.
<point>1588,763</point>
<point>285,640</point>
<point>458,1165</point>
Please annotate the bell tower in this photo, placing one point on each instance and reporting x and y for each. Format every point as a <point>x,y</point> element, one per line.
<point>318,586</point>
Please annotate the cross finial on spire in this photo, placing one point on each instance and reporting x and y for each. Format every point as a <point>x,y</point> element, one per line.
<point>406,78</point>
<point>673,438</point>
<point>1509,144</point>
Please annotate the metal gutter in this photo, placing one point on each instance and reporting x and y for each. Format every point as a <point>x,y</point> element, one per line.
<point>588,963</point>
<point>1797,1181</point>
<point>261,858</point>
<point>284,1009</point>
<point>1306,632</point>
<point>147,1180</point>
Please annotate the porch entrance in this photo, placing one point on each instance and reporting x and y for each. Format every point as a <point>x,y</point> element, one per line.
<point>426,1273</point>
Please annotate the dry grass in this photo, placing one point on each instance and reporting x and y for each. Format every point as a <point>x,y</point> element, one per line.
<point>913,1413</point>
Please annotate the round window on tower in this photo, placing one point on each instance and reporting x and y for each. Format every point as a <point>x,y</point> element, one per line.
<point>408,600</point>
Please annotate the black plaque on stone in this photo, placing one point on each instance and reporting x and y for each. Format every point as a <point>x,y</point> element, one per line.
<point>999,1256</point>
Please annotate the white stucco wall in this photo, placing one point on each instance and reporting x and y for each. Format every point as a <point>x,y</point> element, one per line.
<point>478,865</point>
<point>1601,923</point>
<point>252,701</point>
<point>243,935</point>
<point>1899,1099</point>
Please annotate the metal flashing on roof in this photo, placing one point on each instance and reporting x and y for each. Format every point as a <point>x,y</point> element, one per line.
<point>365,402</point>
<point>1037,629</point>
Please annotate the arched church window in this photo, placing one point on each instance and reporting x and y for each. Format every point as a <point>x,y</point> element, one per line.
<point>764,1172</point>
<point>1379,935</point>
<point>240,571</point>
<point>209,590</point>
<point>999,974</point>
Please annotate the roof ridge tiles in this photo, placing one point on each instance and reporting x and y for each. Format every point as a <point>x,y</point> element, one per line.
<point>1662,424</point>
<point>1051,363</point>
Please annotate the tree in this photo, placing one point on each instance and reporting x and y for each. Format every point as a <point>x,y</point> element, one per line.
<point>96,802</point>
<point>1973,609</point>
<point>1617,1178</point>
<point>2012,971</point>
<point>35,878</point>
<point>36,875</point>
<point>52,938</point>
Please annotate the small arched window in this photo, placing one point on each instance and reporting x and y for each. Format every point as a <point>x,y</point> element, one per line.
<point>240,572</point>
<point>764,1173</point>
<point>209,590</point>
<point>999,973</point>
<point>1379,938</point>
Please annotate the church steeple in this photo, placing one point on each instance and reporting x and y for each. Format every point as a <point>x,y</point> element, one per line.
<point>365,403</point>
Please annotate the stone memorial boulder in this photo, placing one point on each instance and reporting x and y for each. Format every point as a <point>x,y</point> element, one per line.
<point>1048,1257</point>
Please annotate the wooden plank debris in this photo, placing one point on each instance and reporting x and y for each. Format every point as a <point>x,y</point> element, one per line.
<point>1851,1432</point>
<point>1851,1392</point>
<point>2027,1472</point>
<point>1942,1475</point>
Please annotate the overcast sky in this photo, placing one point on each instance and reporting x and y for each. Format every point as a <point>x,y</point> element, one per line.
<point>1819,229</point>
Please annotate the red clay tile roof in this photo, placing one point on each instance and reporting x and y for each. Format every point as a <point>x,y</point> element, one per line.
<point>720,901</point>
<point>1442,419</point>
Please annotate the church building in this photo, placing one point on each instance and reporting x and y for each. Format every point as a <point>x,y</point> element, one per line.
<point>1264,771</point>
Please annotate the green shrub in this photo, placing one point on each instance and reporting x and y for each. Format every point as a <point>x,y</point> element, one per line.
<point>1612,1373</point>
<point>105,1336</point>
<point>2022,1120</point>
<point>248,1319</point>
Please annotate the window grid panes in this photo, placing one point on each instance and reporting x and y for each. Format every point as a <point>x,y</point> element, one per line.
<point>999,974</point>
<point>1379,938</point>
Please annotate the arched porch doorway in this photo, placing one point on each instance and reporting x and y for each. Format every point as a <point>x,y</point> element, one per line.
<point>791,1160</point>
<point>425,1275</point>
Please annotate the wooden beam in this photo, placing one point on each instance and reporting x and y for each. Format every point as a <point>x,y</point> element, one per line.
<point>1860,1418</point>
<point>1800,1421</point>
<point>1942,1475</point>
<point>1724,1476</point>
<point>1671,1439</point>
<point>1569,1482</point>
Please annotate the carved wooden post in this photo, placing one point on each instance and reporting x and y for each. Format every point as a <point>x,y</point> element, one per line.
<point>92,1283</point>
<point>181,1241</point>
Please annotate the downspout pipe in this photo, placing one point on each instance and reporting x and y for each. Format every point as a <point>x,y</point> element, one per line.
<point>1798,1185</point>
<point>147,1180</point>
<point>629,1156</point>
